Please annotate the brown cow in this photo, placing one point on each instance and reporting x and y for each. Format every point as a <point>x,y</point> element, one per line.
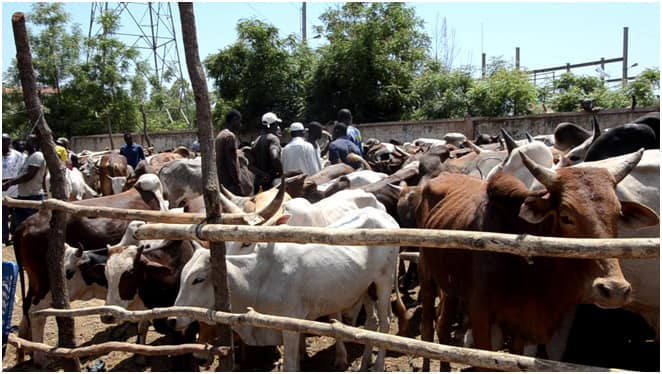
<point>111,165</point>
<point>525,297</point>
<point>31,238</point>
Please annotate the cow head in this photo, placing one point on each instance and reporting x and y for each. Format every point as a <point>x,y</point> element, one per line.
<point>582,203</point>
<point>577,154</point>
<point>84,271</point>
<point>124,276</point>
<point>117,184</point>
<point>195,287</point>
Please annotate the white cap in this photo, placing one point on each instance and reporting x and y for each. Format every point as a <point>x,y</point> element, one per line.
<point>296,126</point>
<point>269,118</point>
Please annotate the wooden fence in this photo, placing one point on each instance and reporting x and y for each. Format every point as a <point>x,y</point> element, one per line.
<point>523,245</point>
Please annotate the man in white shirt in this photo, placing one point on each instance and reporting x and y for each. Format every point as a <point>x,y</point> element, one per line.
<point>12,160</point>
<point>30,180</point>
<point>298,154</point>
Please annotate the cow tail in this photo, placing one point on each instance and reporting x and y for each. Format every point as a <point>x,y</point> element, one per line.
<point>404,316</point>
<point>17,254</point>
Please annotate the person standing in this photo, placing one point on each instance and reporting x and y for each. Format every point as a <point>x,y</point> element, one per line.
<point>266,152</point>
<point>30,180</point>
<point>299,155</point>
<point>230,173</point>
<point>341,146</point>
<point>12,160</point>
<point>132,151</point>
<point>314,134</point>
<point>70,158</point>
<point>353,133</point>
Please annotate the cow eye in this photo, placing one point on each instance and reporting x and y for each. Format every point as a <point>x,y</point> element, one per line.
<point>70,274</point>
<point>566,220</point>
<point>245,245</point>
<point>198,280</point>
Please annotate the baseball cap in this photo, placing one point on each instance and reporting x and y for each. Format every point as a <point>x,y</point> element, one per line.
<point>296,126</point>
<point>269,118</point>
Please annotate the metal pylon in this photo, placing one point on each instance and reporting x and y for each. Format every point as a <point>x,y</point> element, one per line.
<point>147,26</point>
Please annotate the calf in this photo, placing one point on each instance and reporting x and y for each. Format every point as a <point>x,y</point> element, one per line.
<point>111,165</point>
<point>303,281</point>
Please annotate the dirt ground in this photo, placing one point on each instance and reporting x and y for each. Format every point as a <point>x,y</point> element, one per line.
<point>90,330</point>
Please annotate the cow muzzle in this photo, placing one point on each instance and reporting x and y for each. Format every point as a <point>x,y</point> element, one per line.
<point>610,293</point>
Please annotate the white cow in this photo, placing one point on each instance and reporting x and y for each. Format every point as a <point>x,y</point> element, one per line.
<point>75,187</point>
<point>330,209</point>
<point>537,151</point>
<point>354,179</point>
<point>303,281</point>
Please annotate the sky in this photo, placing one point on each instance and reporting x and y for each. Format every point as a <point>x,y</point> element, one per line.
<point>548,34</point>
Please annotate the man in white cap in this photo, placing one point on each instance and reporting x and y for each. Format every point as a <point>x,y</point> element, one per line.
<point>299,155</point>
<point>266,151</point>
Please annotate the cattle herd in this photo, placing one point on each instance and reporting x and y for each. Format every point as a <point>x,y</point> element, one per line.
<point>572,183</point>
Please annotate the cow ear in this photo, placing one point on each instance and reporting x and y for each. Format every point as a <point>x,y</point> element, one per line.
<point>535,209</point>
<point>635,215</point>
<point>283,219</point>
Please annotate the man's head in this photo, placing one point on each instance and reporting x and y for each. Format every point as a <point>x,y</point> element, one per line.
<point>270,122</point>
<point>32,144</point>
<point>233,120</point>
<point>339,130</point>
<point>19,145</point>
<point>6,142</point>
<point>128,138</point>
<point>345,116</point>
<point>314,131</point>
<point>63,142</point>
<point>297,129</point>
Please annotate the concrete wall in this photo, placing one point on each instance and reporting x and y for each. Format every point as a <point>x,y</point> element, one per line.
<point>402,131</point>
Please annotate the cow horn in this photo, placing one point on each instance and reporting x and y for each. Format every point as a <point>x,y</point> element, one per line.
<point>622,169</point>
<point>473,146</point>
<point>596,129</point>
<point>139,252</point>
<point>228,205</point>
<point>510,142</point>
<point>529,137</point>
<point>227,193</point>
<point>263,215</point>
<point>545,176</point>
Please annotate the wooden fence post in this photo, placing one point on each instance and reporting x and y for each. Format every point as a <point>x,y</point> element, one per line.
<point>209,173</point>
<point>55,252</point>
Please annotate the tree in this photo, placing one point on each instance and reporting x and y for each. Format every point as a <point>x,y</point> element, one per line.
<point>260,73</point>
<point>441,93</point>
<point>369,65</point>
<point>505,92</point>
<point>644,86</point>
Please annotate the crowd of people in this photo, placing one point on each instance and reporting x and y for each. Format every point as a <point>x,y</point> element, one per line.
<point>24,165</point>
<point>269,161</point>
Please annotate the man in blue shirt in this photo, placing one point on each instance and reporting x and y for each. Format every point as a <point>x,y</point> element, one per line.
<point>132,151</point>
<point>353,134</point>
<point>341,146</point>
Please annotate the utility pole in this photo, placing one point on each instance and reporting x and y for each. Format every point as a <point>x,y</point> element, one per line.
<point>517,58</point>
<point>303,21</point>
<point>625,57</point>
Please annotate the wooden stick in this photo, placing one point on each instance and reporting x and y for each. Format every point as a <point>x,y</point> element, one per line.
<point>107,347</point>
<point>123,214</point>
<point>467,356</point>
<point>522,245</point>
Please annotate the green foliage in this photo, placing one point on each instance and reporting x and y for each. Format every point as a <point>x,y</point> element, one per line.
<point>644,86</point>
<point>505,92</point>
<point>260,73</point>
<point>375,51</point>
<point>439,93</point>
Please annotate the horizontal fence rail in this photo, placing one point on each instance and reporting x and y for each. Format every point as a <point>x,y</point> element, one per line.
<point>108,347</point>
<point>523,245</point>
<point>447,353</point>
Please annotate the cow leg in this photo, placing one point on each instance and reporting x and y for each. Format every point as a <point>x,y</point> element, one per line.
<point>291,351</point>
<point>370,324</point>
<point>448,311</point>
<point>340,361</point>
<point>37,324</point>
<point>383,313</point>
<point>141,338</point>
<point>426,296</point>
